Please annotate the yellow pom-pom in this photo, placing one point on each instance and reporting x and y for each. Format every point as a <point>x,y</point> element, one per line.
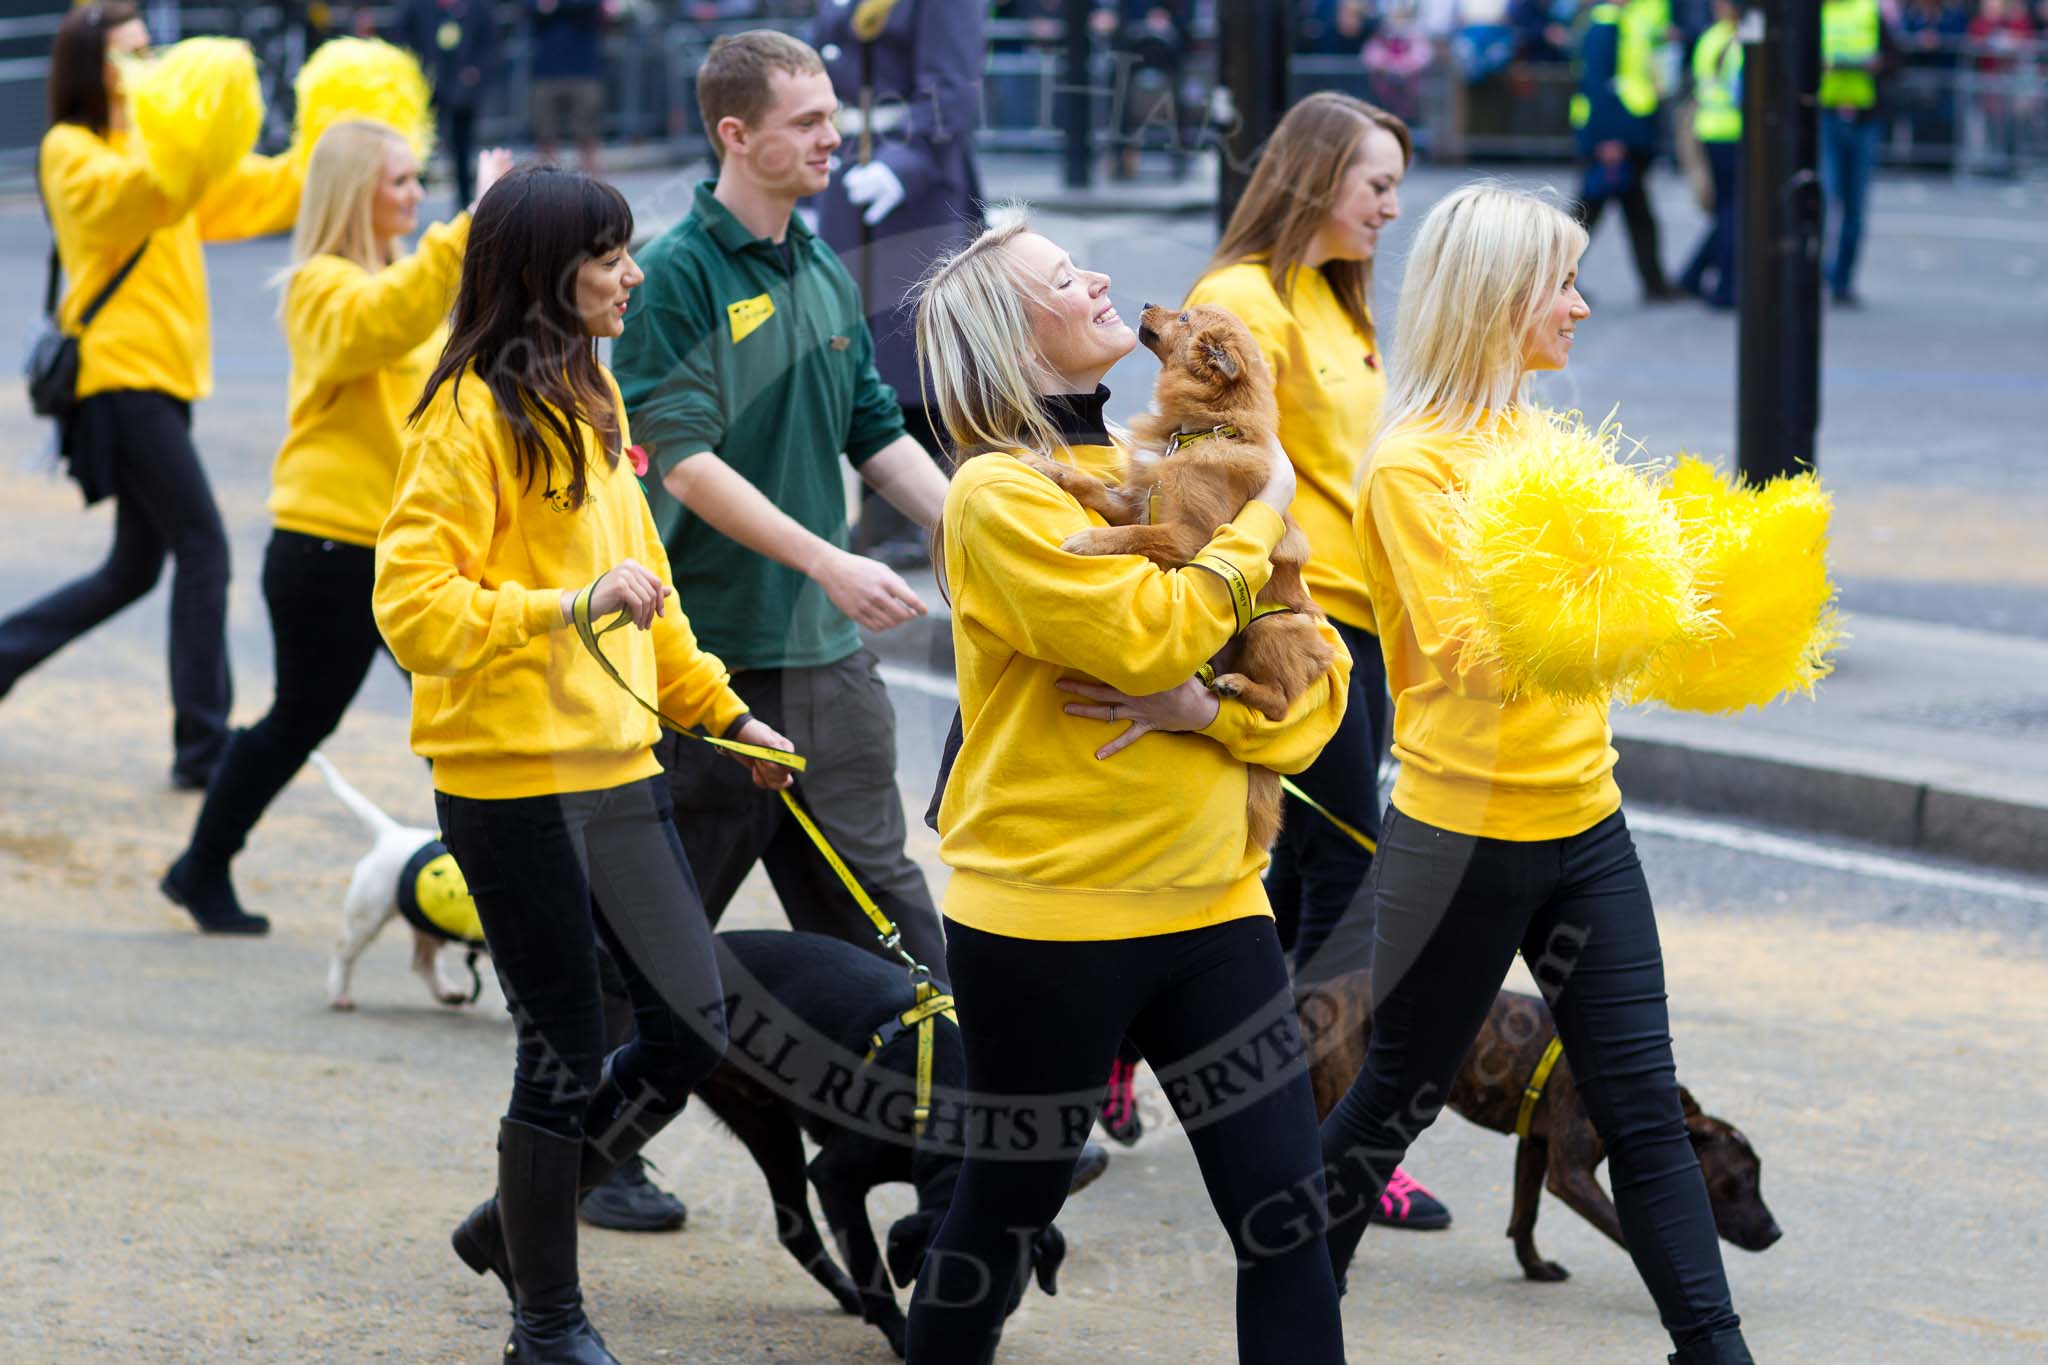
<point>197,109</point>
<point>362,78</point>
<point>1569,569</point>
<point>1762,555</point>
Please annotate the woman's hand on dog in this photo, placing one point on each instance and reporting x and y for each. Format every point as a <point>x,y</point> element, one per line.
<point>869,591</point>
<point>1189,706</point>
<point>1278,493</point>
<point>772,776</point>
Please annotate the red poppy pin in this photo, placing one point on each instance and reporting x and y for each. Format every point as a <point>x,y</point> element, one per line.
<point>1372,362</point>
<point>638,456</point>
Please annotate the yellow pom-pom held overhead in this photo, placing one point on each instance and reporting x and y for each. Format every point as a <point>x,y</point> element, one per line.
<point>1762,555</point>
<point>1569,570</point>
<point>197,109</point>
<point>362,78</point>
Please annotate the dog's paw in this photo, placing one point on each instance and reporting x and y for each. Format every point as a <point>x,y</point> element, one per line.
<point>342,1003</point>
<point>1096,540</point>
<point>1230,684</point>
<point>455,999</point>
<point>1546,1272</point>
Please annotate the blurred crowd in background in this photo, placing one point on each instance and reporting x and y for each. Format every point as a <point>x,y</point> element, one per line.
<point>1964,86</point>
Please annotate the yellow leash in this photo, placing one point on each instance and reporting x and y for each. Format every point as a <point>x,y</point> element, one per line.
<point>1357,835</point>
<point>930,1003</point>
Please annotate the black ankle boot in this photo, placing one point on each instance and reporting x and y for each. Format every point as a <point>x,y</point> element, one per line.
<point>537,1210</point>
<point>209,897</point>
<point>1723,1348</point>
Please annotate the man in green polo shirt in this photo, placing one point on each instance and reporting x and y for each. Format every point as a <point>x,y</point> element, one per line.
<point>748,372</point>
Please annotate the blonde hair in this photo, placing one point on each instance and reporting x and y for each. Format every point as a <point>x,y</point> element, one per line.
<point>337,208</point>
<point>977,360</point>
<point>1486,264</point>
<point>1292,188</point>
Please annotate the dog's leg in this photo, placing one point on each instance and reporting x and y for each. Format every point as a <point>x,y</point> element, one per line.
<point>363,912</point>
<point>1531,1157</point>
<point>1104,500</point>
<point>1572,1181</point>
<point>430,962</point>
<point>776,1143</point>
<point>843,1173</point>
<point>1280,657</point>
<point>1167,546</point>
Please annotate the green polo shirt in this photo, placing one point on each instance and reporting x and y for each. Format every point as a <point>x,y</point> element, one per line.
<point>760,354</point>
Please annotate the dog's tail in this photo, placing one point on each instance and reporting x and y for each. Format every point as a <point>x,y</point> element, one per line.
<point>376,821</point>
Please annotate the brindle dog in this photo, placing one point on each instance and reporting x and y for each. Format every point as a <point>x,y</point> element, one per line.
<point>1562,1149</point>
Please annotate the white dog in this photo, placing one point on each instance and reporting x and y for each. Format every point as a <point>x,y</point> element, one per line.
<point>408,873</point>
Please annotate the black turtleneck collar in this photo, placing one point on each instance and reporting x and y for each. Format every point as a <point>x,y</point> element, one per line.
<point>1078,416</point>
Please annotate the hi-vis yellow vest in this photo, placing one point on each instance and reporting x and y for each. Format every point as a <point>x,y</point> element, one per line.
<point>1849,32</point>
<point>1635,73</point>
<point>1716,63</point>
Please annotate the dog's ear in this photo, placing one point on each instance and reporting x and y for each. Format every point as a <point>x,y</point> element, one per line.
<point>1687,1105</point>
<point>1218,348</point>
<point>1048,1250</point>
<point>909,1238</point>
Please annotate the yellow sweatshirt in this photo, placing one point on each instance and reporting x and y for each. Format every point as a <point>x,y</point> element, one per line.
<point>1471,762</point>
<point>1327,378</point>
<point>471,567</point>
<point>155,333</point>
<point>1047,841</point>
<point>362,343</point>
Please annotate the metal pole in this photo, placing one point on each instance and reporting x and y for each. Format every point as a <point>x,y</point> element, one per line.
<point>1076,98</point>
<point>1253,44</point>
<point>1782,217</point>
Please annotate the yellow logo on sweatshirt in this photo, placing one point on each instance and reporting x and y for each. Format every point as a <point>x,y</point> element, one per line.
<point>748,314</point>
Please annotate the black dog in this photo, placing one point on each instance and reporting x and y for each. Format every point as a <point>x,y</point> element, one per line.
<point>801,1010</point>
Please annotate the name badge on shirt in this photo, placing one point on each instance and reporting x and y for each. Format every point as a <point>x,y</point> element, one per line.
<point>748,314</point>
<point>840,343</point>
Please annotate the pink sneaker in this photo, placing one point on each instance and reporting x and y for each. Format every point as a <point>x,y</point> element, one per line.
<point>1120,1106</point>
<point>1407,1205</point>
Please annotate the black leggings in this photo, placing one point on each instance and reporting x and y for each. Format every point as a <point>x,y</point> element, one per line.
<point>1317,877</point>
<point>318,592</point>
<point>554,874</point>
<point>1452,910</point>
<point>1212,1011</point>
<point>162,505</point>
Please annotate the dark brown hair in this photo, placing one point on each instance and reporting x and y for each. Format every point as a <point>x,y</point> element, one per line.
<point>1291,190</point>
<point>78,64</point>
<point>517,325</point>
<point>733,81</point>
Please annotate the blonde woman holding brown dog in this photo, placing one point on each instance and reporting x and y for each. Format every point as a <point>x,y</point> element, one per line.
<point>1296,264</point>
<point>1505,832</point>
<point>1104,882</point>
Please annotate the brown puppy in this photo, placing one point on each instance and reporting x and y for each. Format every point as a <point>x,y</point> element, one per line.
<point>1216,419</point>
<point>1336,1022</point>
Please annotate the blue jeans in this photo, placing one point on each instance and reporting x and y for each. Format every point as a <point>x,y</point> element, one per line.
<point>1848,159</point>
<point>1452,910</point>
<point>1715,256</point>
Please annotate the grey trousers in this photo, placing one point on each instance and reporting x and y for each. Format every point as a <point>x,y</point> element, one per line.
<point>839,717</point>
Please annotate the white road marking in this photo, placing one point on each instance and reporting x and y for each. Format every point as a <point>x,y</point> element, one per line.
<point>1692,828</point>
<point>1861,862</point>
<point>919,680</point>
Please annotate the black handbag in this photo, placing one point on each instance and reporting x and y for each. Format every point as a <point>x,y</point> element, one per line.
<point>52,365</point>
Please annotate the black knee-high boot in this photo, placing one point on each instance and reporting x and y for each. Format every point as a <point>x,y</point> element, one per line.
<point>1723,1348</point>
<point>615,1127</point>
<point>537,1173</point>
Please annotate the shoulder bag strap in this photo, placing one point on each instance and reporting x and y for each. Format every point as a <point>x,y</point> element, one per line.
<point>99,301</point>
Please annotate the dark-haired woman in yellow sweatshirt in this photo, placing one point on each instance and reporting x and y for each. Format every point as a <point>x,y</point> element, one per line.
<point>1105,884</point>
<point>146,358</point>
<point>516,494</point>
<point>364,324</point>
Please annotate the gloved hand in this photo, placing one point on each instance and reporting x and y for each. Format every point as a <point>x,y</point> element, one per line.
<point>875,186</point>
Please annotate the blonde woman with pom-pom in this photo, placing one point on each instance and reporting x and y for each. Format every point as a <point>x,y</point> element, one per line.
<point>146,356</point>
<point>1505,831</point>
<point>365,321</point>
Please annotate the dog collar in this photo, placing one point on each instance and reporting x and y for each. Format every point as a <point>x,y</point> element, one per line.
<point>1181,440</point>
<point>1534,1090</point>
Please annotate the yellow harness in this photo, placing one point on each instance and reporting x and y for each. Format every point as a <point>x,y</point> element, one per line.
<point>930,1002</point>
<point>1533,1091</point>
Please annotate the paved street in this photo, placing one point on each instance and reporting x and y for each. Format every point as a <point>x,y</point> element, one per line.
<point>204,1164</point>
